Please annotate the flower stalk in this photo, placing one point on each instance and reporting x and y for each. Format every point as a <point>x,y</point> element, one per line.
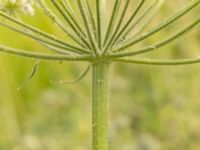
<point>99,46</point>
<point>100,105</point>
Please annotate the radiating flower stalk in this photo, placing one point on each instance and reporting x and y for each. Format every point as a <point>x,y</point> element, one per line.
<point>96,44</point>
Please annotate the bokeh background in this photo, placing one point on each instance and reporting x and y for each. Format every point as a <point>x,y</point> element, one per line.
<point>151,107</point>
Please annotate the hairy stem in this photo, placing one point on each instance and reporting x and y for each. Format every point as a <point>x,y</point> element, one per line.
<point>112,20</point>
<point>40,39</point>
<point>155,3</point>
<point>60,24</point>
<point>84,14</point>
<point>132,17</point>
<point>100,105</point>
<point>99,22</point>
<point>158,45</point>
<point>80,34</point>
<point>161,62</point>
<point>130,42</point>
<point>41,56</point>
<point>119,24</point>
<point>33,29</point>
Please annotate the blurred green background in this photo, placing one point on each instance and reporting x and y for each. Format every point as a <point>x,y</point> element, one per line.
<point>151,107</point>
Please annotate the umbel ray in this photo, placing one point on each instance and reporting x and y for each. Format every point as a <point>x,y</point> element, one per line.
<point>100,45</point>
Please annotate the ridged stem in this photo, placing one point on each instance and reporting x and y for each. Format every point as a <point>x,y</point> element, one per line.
<point>100,105</point>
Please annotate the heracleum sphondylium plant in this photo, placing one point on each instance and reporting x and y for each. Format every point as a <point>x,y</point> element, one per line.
<point>96,44</point>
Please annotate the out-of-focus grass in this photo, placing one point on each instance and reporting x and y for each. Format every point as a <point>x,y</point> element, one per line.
<point>152,108</point>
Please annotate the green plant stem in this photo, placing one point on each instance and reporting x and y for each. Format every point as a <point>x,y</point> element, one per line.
<point>88,26</point>
<point>71,17</point>
<point>130,42</point>
<point>60,24</point>
<point>119,24</point>
<point>92,18</point>
<point>99,23</point>
<point>100,105</point>
<point>158,45</point>
<point>139,19</point>
<point>80,34</point>
<point>43,40</point>
<point>33,29</point>
<point>161,62</point>
<point>120,34</point>
<point>112,20</point>
<point>149,19</point>
<point>41,56</point>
